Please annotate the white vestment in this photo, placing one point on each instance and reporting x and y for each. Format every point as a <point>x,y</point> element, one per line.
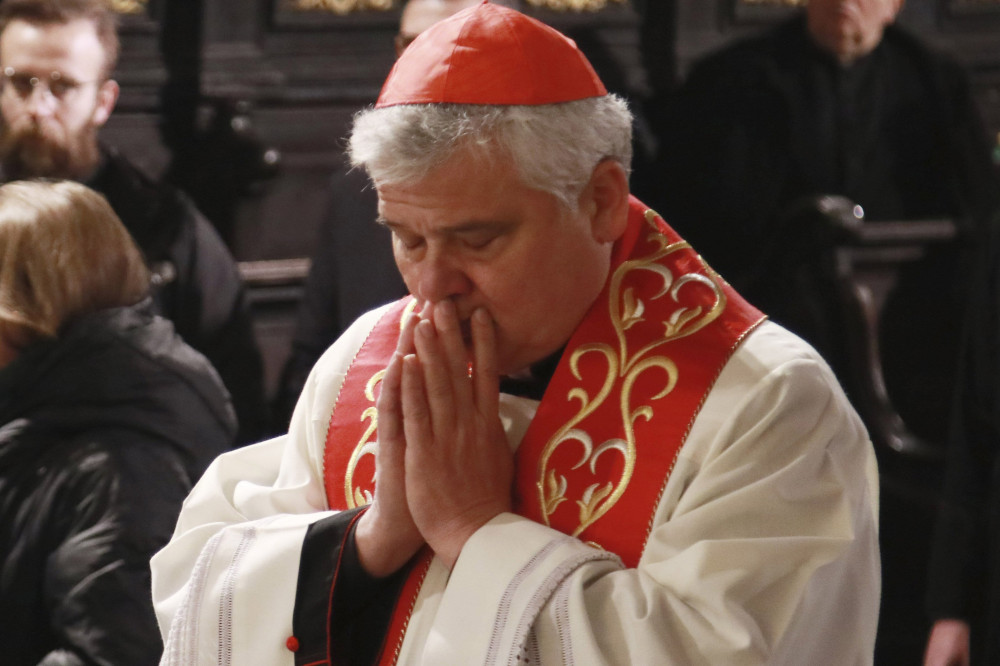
<point>764,548</point>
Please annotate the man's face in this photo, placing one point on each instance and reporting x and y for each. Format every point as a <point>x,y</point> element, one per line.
<point>480,238</point>
<point>53,100</point>
<point>850,29</point>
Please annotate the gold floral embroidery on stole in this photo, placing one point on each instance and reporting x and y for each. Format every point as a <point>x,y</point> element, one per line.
<point>624,366</point>
<point>357,496</point>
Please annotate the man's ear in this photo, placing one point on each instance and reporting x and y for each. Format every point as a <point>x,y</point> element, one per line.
<point>107,97</point>
<point>605,201</point>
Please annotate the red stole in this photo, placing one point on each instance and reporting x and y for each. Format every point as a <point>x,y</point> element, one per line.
<point>596,457</point>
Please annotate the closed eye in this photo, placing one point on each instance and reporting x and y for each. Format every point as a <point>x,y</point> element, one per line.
<point>408,240</point>
<point>479,240</point>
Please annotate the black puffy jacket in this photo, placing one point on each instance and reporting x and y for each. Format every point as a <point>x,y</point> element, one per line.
<point>102,434</point>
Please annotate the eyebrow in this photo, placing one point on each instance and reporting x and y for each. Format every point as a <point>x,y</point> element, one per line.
<point>470,226</point>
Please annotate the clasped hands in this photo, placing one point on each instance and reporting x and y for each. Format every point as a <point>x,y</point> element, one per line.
<point>443,467</point>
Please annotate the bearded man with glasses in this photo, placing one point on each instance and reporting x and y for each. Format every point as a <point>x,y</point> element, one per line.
<point>56,95</point>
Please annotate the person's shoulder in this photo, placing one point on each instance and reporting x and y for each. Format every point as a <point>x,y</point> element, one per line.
<point>136,331</point>
<point>771,351</point>
<point>775,375</point>
<point>164,387</point>
<point>902,41</point>
<point>145,395</point>
<point>773,343</point>
<point>935,73</point>
<point>129,186</point>
<point>121,174</point>
<point>166,223</point>
<point>155,339</point>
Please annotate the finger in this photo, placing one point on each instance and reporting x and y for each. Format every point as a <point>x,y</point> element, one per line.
<point>486,381</point>
<point>452,345</point>
<point>416,415</point>
<point>404,345</point>
<point>427,312</point>
<point>390,415</point>
<point>390,423</point>
<point>438,383</point>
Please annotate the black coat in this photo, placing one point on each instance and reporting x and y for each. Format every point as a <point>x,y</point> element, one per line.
<point>104,431</point>
<point>965,562</point>
<point>196,284</point>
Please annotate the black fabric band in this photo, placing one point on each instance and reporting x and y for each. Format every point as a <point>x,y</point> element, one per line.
<point>337,602</point>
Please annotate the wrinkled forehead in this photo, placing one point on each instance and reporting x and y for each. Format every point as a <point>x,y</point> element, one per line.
<point>457,194</point>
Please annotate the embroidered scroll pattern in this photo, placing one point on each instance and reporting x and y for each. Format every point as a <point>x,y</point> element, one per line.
<point>623,367</point>
<point>357,496</point>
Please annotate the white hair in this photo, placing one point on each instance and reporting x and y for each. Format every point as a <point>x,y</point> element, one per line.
<point>554,147</point>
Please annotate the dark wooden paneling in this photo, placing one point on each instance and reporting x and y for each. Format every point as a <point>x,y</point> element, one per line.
<point>282,221</point>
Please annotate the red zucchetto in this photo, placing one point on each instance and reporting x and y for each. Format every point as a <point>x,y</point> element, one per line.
<point>489,54</point>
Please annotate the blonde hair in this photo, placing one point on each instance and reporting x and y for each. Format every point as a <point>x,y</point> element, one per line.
<point>63,254</point>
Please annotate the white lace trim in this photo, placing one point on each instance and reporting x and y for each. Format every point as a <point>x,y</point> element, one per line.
<point>182,640</point>
<point>503,609</point>
<point>524,648</point>
<point>228,591</point>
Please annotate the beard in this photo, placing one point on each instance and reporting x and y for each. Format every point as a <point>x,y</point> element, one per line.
<point>32,152</point>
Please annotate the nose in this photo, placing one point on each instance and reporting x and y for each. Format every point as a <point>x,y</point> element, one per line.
<point>440,276</point>
<point>41,102</point>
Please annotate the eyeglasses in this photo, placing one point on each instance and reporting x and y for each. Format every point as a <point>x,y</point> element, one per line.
<point>60,86</point>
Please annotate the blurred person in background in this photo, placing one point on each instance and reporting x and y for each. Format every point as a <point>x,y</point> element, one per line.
<point>837,100</point>
<point>107,418</point>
